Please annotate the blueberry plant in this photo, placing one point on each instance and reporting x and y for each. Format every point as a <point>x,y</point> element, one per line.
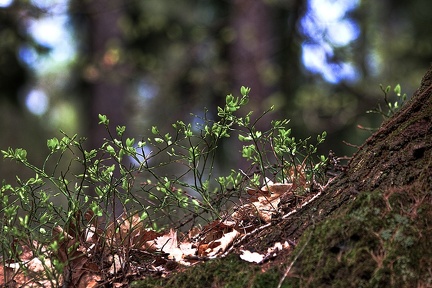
<point>127,174</point>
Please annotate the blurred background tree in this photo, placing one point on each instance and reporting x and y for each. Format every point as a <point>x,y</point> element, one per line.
<point>143,63</point>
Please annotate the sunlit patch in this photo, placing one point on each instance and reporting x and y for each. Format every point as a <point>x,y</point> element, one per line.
<point>314,56</point>
<point>47,31</point>
<point>28,55</point>
<point>53,33</point>
<point>330,10</point>
<point>5,3</point>
<point>342,32</point>
<point>37,102</point>
<point>326,26</point>
<point>147,90</point>
<point>142,156</point>
<point>316,59</point>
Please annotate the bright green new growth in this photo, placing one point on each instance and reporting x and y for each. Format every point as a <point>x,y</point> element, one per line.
<point>173,180</point>
<point>392,107</point>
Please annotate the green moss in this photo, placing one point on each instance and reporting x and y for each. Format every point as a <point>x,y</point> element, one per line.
<point>269,278</point>
<point>225,272</point>
<point>380,240</point>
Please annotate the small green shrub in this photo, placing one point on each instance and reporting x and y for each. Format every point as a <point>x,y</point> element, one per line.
<point>129,175</point>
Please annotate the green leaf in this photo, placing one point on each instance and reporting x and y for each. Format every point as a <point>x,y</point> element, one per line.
<point>120,130</point>
<point>321,138</point>
<point>103,119</point>
<point>155,130</point>
<point>20,154</point>
<point>248,151</point>
<point>244,138</point>
<point>90,154</point>
<point>229,99</point>
<point>130,142</point>
<point>65,142</point>
<point>110,150</point>
<point>397,90</point>
<point>53,144</point>
<point>244,90</point>
<point>96,209</point>
<point>121,153</point>
<point>144,216</point>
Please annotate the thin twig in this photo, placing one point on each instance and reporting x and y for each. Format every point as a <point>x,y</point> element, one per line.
<point>350,145</point>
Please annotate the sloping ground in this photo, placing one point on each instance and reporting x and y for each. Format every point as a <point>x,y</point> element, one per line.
<point>370,227</point>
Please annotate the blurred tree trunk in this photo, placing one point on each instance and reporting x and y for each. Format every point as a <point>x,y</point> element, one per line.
<point>103,73</point>
<point>250,56</point>
<point>107,89</point>
<point>252,50</point>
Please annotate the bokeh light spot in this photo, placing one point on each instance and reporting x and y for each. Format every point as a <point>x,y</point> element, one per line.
<point>37,102</point>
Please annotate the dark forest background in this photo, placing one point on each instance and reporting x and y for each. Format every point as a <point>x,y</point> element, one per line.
<point>151,62</point>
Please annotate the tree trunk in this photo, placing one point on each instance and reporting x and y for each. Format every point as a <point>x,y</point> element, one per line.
<point>107,89</point>
<point>252,50</point>
<point>105,73</point>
